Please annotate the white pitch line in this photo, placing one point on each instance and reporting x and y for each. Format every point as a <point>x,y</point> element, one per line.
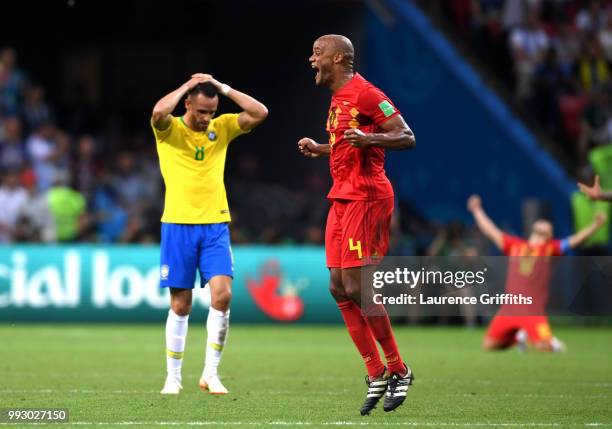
<point>79,391</point>
<point>348,379</point>
<point>283,392</point>
<point>535,395</point>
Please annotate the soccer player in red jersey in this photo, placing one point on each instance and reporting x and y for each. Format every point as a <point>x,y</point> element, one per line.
<point>529,272</point>
<point>362,123</point>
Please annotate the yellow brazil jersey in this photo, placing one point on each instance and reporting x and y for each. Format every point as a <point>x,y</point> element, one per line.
<point>192,164</point>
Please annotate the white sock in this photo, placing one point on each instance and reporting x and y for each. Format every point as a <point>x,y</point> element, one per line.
<point>176,333</point>
<point>217,326</point>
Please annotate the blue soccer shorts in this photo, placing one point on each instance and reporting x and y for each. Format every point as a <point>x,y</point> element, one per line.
<point>187,248</point>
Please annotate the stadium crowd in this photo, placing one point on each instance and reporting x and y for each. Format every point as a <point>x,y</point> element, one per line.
<point>555,55</point>
<point>72,184</point>
<point>78,186</point>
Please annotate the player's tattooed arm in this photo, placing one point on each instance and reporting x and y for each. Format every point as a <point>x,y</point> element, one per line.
<point>166,105</point>
<point>581,236</point>
<point>308,147</point>
<point>396,135</point>
<point>254,112</point>
<point>594,192</point>
<point>484,223</point>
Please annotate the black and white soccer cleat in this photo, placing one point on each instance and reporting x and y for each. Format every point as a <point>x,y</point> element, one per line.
<point>397,389</point>
<point>376,390</point>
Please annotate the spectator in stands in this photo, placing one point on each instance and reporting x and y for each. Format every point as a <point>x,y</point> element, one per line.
<point>84,167</point>
<point>111,219</point>
<point>548,82</point>
<point>596,126</point>
<point>593,69</point>
<point>137,191</point>
<point>592,18</point>
<point>12,197</point>
<point>35,223</point>
<point>528,45</point>
<point>36,111</point>
<point>515,11</point>
<point>605,38</point>
<point>128,183</point>
<point>12,150</point>
<point>13,82</point>
<point>455,252</point>
<point>67,208</point>
<point>567,45</point>
<point>47,149</point>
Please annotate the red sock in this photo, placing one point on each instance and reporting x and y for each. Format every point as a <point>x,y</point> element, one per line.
<point>381,329</point>
<point>362,337</point>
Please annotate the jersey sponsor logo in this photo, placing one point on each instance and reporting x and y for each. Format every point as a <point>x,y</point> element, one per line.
<point>199,153</point>
<point>164,271</point>
<point>355,246</point>
<point>387,108</point>
<point>212,136</point>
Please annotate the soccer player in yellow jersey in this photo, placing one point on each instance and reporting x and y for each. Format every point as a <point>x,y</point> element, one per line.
<point>194,233</point>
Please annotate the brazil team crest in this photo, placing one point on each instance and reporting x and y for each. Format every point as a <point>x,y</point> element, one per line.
<point>164,271</point>
<point>212,136</point>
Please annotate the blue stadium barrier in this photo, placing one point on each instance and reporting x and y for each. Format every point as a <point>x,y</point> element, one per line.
<point>468,141</point>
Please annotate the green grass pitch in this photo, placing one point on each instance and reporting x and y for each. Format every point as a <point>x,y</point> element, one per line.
<point>296,376</point>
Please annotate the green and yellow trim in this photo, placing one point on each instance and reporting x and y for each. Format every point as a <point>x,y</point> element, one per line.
<point>174,355</point>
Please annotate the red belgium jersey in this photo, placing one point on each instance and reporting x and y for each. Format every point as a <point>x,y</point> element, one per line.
<point>529,271</point>
<point>358,174</point>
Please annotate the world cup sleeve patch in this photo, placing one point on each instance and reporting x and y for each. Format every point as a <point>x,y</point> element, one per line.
<point>387,108</point>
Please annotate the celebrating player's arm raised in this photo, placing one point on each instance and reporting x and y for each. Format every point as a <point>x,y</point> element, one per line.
<point>595,192</point>
<point>496,235</point>
<point>517,325</point>
<point>195,233</point>
<point>484,222</point>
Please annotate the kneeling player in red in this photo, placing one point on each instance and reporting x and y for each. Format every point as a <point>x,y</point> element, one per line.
<point>362,123</point>
<point>529,272</point>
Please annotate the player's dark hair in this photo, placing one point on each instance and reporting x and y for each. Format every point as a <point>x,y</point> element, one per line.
<point>207,89</point>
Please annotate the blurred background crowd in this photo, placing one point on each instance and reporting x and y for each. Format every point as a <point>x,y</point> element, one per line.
<point>71,174</point>
<point>72,184</point>
<point>554,56</point>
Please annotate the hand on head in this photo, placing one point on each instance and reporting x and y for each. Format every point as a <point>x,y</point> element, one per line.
<point>197,78</point>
